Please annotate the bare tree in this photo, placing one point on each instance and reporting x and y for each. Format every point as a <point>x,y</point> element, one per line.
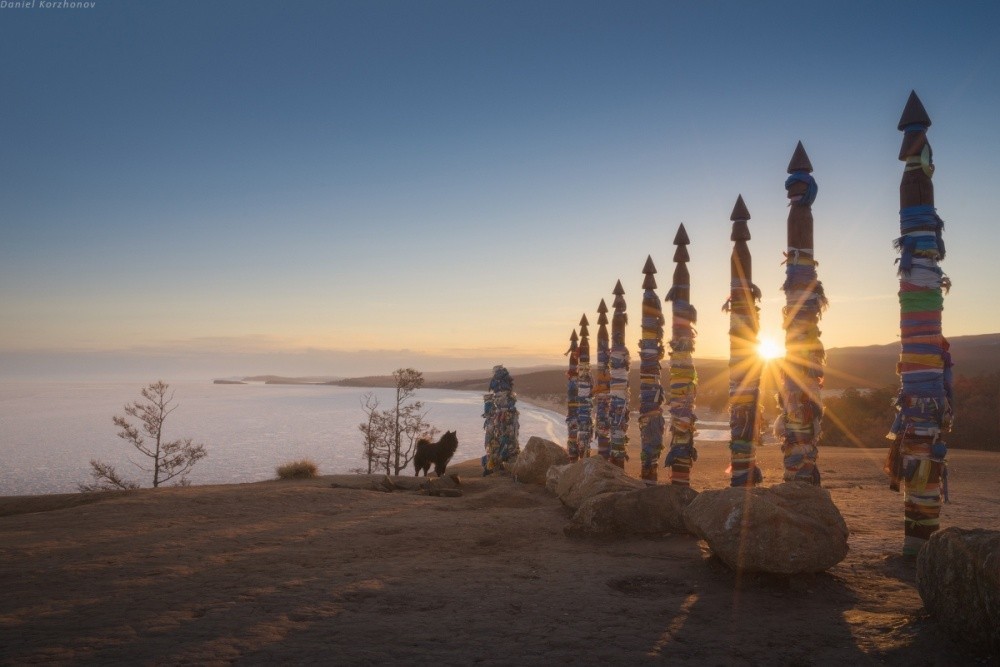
<point>170,459</point>
<point>106,478</point>
<point>390,436</point>
<point>376,434</point>
<point>407,415</point>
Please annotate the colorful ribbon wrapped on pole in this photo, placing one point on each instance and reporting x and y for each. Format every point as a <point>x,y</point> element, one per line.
<point>683,376</point>
<point>651,422</point>
<point>924,404</point>
<point>572,399</point>
<point>501,423</point>
<point>618,409</point>
<point>584,386</point>
<point>799,396</point>
<point>745,411</point>
<point>602,384</point>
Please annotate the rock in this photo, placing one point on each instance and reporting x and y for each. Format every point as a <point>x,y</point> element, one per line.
<point>384,484</point>
<point>448,486</point>
<point>406,483</point>
<point>958,576</point>
<point>652,510</point>
<point>553,475</point>
<point>536,458</point>
<point>791,528</point>
<point>590,477</point>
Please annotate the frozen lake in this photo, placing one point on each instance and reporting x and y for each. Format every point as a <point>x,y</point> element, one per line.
<point>49,431</point>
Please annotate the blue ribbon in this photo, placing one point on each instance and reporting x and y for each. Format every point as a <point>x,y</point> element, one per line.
<point>811,187</point>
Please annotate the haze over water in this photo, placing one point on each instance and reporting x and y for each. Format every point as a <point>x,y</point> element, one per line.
<point>49,431</point>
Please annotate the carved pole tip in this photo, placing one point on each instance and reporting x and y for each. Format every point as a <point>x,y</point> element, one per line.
<point>800,161</point>
<point>914,113</point>
<point>681,238</point>
<point>740,211</point>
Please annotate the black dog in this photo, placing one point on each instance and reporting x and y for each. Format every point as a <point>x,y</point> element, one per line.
<point>438,453</point>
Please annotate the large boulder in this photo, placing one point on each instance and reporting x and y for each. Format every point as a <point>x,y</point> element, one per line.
<point>536,458</point>
<point>958,576</point>
<point>790,528</point>
<point>553,475</point>
<point>590,477</point>
<point>652,510</point>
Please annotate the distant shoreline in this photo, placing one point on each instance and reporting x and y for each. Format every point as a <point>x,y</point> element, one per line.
<point>548,402</point>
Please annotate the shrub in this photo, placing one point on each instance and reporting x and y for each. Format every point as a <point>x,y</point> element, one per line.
<point>304,469</point>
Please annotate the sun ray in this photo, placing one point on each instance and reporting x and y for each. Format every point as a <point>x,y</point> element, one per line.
<point>769,348</point>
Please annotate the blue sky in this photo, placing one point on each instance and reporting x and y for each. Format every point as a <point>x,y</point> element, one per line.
<point>346,187</point>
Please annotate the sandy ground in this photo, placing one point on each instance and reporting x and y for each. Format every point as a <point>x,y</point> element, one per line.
<point>301,572</point>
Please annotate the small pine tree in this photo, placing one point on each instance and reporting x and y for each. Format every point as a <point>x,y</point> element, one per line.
<point>170,459</point>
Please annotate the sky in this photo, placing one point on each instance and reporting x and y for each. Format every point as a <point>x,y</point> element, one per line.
<point>342,188</point>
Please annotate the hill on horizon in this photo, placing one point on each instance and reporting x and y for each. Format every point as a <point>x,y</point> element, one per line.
<point>874,366</point>
<point>860,367</point>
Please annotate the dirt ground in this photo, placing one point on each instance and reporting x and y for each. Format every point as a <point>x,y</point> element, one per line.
<point>301,572</point>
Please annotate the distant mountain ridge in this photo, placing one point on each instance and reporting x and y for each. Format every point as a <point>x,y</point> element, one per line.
<point>874,366</point>
<point>440,378</point>
<point>869,366</point>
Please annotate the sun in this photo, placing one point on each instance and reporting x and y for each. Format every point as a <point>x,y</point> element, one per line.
<point>769,348</point>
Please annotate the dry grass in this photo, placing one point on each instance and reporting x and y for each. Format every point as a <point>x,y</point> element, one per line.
<point>304,469</point>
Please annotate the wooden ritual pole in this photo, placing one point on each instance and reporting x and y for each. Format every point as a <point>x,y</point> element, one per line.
<point>683,376</point>
<point>799,395</point>
<point>572,399</point>
<point>924,404</point>
<point>602,384</point>
<point>651,422</point>
<point>745,414</point>
<point>501,422</point>
<point>618,412</point>
<point>584,384</point>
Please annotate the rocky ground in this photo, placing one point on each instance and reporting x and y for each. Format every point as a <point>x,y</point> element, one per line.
<point>300,572</point>
<point>305,572</point>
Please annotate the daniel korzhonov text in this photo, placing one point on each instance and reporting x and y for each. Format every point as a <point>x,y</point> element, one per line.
<point>46,4</point>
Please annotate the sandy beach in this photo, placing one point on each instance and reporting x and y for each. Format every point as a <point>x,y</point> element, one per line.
<point>323,571</point>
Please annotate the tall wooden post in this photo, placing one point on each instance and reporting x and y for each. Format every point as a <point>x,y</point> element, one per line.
<point>924,405</point>
<point>745,414</point>
<point>500,423</point>
<point>618,412</point>
<point>602,384</point>
<point>799,396</point>
<point>651,423</point>
<point>572,399</point>
<point>683,376</point>
<point>584,384</point>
